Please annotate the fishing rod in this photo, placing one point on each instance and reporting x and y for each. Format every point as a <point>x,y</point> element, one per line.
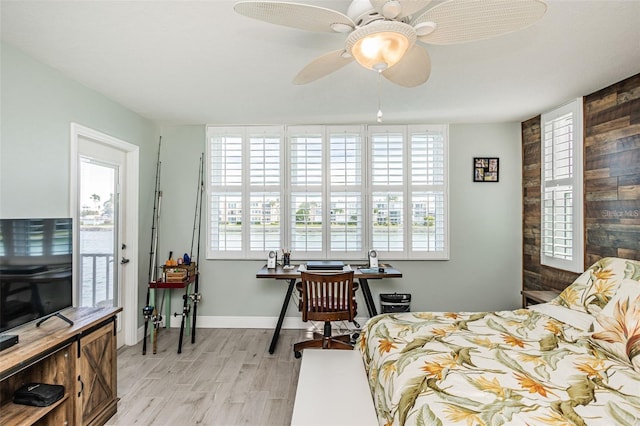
<point>149,312</point>
<point>200,184</point>
<point>195,296</point>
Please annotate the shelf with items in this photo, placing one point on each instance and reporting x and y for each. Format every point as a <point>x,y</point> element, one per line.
<point>55,368</point>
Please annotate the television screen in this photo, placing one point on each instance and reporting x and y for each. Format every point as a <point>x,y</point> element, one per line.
<point>35,269</point>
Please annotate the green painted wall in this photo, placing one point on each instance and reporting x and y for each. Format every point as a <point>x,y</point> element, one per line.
<point>38,103</point>
<point>485,267</point>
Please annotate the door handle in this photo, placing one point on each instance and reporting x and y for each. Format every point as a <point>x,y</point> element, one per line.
<point>124,261</point>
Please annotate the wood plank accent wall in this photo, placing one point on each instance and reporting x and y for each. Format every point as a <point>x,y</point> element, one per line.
<point>612,171</point>
<point>611,184</point>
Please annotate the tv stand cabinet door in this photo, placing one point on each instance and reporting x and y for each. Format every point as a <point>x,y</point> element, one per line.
<point>97,388</point>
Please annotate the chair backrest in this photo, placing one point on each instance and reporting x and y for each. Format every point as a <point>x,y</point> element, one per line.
<point>328,297</point>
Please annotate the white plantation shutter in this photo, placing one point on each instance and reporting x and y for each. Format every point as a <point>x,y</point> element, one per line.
<point>345,189</point>
<point>328,191</point>
<point>428,190</point>
<point>264,155</point>
<point>388,227</point>
<point>561,188</point>
<point>265,221</point>
<point>244,189</point>
<point>265,176</point>
<point>226,221</point>
<point>427,156</point>
<point>387,155</point>
<point>306,208</point>
<point>225,190</point>
<point>428,221</point>
<point>409,199</point>
<point>387,182</point>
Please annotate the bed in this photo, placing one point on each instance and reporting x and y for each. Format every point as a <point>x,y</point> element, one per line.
<point>572,361</point>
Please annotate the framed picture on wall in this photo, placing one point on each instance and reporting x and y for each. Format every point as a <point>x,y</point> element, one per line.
<point>486,169</point>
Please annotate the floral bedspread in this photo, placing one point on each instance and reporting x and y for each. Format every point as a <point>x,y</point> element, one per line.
<point>511,367</point>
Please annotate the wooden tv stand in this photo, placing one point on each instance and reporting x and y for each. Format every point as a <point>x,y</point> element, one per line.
<point>81,357</point>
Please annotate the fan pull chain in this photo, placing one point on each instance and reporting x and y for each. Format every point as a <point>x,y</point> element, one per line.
<point>379,119</point>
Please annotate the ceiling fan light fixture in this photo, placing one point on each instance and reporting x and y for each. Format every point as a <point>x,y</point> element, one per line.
<point>381,45</point>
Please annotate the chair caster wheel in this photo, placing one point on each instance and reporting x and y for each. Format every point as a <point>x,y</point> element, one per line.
<point>297,354</point>
<point>354,338</point>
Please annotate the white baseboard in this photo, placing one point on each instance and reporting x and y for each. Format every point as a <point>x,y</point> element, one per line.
<point>295,323</point>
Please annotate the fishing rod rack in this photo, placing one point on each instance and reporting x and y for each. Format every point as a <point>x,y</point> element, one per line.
<point>174,276</point>
<point>190,299</point>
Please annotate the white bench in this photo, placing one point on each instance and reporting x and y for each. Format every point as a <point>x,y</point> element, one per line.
<point>333,390</point>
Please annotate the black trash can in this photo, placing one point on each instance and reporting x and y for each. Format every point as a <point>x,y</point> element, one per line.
<point>396,302</point>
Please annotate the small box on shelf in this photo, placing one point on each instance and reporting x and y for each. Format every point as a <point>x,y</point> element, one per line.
<point>178,273</point>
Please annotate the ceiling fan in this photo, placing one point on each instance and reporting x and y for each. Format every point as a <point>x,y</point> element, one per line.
<point>382,34</point>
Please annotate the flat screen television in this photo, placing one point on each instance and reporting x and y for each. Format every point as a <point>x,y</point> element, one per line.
<point>35,269</point>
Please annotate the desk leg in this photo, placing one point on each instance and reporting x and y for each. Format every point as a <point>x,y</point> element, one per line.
<point>366,291</point>
<point>283,311</point>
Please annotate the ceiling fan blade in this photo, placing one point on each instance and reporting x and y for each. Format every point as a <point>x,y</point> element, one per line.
<point>404,7</point>
<point>301,16</point>
<point>412,70</point>
<point>459,21</point>
<point>322,66</point>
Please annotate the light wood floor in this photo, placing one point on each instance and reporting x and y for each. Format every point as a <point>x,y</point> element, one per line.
<point>226,378</point>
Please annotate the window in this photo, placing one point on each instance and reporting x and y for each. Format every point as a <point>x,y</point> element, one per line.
<point>561,188</point>
<point>328,191</point>
<point>409,190</point>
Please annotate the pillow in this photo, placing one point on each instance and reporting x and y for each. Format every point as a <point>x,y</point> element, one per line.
<point>617,327</point>
<point>592,290</point>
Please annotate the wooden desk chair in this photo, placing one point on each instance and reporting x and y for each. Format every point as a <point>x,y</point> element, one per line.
<point>327,297</point>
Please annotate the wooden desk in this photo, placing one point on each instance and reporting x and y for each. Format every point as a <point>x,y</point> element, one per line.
<point>292,275</point>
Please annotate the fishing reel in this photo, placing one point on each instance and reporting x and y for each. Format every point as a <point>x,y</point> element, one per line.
<point>186,308</point>
<point>157,319</point>
<point>195,297</point>
<point>147,312</point>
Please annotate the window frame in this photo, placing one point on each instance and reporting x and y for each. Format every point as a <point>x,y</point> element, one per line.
<point>365,190</point>
<point>575,182</point>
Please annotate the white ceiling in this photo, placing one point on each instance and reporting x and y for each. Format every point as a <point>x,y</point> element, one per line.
<point>199,62</point>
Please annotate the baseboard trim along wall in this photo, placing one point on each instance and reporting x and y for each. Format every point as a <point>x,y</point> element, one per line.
<point>246,322</point>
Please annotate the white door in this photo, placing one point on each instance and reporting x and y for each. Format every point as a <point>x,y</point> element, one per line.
<point>103,251</point>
